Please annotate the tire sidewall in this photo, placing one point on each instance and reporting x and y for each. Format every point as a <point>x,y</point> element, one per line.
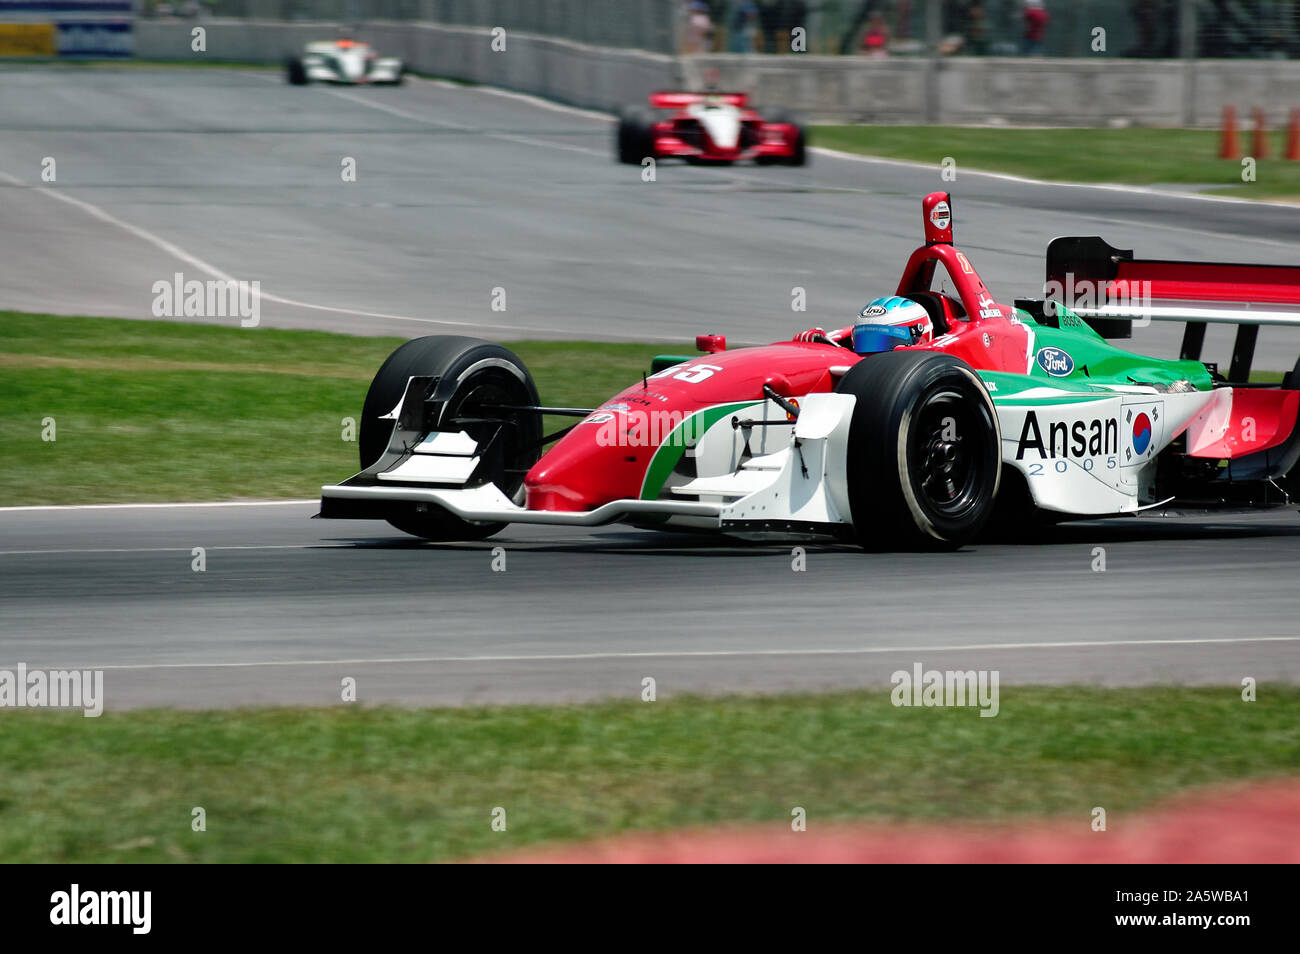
<point>436,355</point>
<point>634,139</point>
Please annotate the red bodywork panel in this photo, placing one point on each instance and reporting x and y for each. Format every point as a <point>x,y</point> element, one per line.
<point>1193,281</point>
<point>1261,419</point>
<point>682,100</point>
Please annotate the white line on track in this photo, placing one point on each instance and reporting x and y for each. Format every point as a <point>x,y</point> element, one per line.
<point>1026,180</point>
<point>194,261</point>
<point>700,654</point>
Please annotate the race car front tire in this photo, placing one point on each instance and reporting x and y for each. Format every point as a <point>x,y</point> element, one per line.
<point>924,451</point>
<point>486,374</point>
<point>295,73</point>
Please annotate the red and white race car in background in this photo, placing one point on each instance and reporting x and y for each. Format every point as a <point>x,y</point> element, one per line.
<point>708,127</point>
<point>343,62</point>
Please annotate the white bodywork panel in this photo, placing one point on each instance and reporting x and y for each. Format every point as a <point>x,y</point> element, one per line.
<point>774,486</point>
<point>721,122</point>
<point>456,443</point>
<point>1097,456</point>
<point>432,469</point>
<point>352,64</point>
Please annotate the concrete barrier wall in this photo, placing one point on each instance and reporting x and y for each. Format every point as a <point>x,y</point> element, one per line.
<point>569,72</point>
<point>844,89</point>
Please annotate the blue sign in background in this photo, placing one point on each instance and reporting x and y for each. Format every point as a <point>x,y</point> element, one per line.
<point>94,38</point>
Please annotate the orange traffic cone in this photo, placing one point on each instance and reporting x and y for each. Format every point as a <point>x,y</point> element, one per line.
<point>1293,136</point>
<point>1259,145</point>
<point>1228,148</point>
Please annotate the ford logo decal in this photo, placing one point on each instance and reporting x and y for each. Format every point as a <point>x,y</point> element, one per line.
<point>1055,362</point>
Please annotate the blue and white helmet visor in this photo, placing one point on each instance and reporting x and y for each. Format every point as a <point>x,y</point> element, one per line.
<point>870,339</point>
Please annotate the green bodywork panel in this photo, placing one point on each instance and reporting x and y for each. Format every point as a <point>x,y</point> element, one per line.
<point>1096,362</point>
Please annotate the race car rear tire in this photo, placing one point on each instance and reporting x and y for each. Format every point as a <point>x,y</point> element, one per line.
<point>924,451</point>
<point>294,72</point>
<point>499,378</point>
<point>634,141</point>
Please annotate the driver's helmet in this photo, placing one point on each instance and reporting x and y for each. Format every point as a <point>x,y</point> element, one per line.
<point>887,323</point>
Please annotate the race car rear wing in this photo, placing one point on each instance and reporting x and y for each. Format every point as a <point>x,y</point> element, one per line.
<point>676,100</point>
<point>1110,289</point>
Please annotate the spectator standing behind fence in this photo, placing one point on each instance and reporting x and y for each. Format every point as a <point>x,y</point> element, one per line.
<point>875,41</point>
<point>1035,26</point>
<point>697,36</point>
<point>977,30</point>
<point>743,29</point>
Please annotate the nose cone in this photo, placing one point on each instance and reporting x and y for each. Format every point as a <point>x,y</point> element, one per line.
<point>587,468</point>
<point>352,62</point>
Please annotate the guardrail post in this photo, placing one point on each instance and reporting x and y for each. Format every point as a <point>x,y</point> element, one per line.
<point>933,38</point>
<point>1187,51</point>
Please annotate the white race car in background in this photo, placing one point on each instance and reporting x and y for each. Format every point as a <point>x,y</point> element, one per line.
<point>343,61</point>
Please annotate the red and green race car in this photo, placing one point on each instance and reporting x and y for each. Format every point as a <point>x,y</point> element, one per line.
<point>1026,410</point>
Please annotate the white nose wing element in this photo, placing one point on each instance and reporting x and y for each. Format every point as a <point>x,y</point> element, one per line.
<point>722,123</point>
<point>455,443</point>
<point>433,468</point>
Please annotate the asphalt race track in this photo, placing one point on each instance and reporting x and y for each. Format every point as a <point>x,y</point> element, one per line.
<point>230,172</point>
<point>460,191</point>
<point>287,607</point>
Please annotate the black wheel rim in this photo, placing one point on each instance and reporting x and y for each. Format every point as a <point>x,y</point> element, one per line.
<point>478,409</point>
<point>948,453</point>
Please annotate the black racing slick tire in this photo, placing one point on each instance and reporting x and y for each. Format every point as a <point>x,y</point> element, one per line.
<point>634,140</point>
<point>486,376</point>
<point>294,72</point>
<point>924,451</point>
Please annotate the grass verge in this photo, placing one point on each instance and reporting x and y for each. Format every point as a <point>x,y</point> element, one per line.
<point>157,411</point>
<point>1182,157</point>
<point>356,784</point>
